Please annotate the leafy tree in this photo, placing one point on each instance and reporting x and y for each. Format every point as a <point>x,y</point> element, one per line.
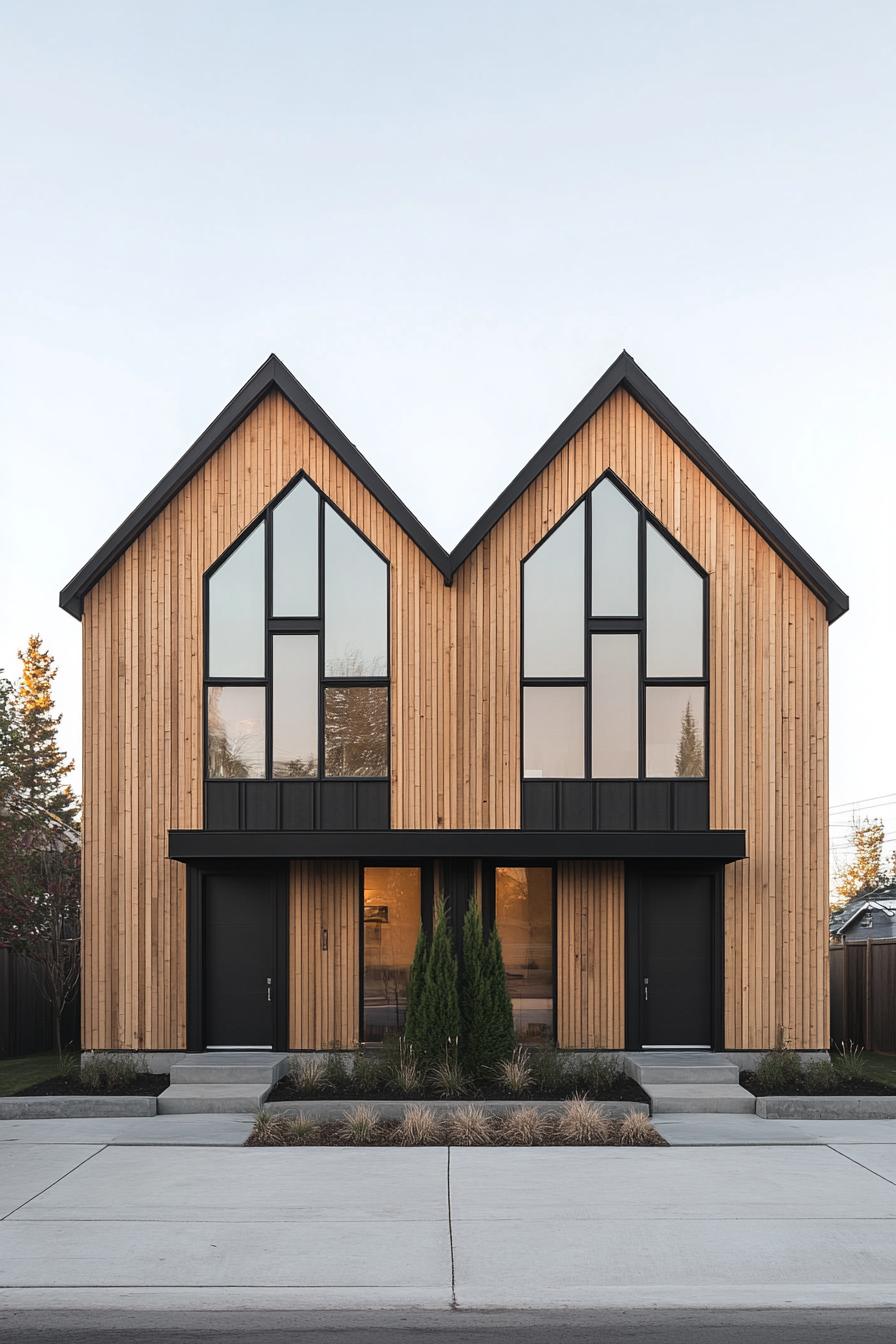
<point>43,764</point>
<point>865,870</point>
<point>689,759</point>
<point>438,1015</point>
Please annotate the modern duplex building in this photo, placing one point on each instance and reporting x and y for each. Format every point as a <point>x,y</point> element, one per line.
<point>602,716</point>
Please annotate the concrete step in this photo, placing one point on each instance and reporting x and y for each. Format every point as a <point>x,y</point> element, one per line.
<point>708,1098</point>
<point>226,1067</point>
<point>672,1070</point>
<point>212,1098</point>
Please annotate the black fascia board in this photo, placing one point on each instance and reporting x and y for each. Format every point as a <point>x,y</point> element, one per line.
<point>272,375</point>
<point>625,373</point>
<point>199,845</point>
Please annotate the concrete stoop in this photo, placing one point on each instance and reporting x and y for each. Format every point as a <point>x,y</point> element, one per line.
<point>689,1081</point>
<point>221,1081</point>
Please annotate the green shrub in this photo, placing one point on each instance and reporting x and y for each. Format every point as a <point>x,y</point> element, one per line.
<point>368,1072</point>
<point>107,1073</point>
<point>307,1076</point>
<point>849,1061</point>
<point>437,1014</point>
<point>501,1035</point>
<point>779,1071</point>
<point>599,1075</point>
<point>820,1078</point>
<point>335,1075</point>
<point>549,1071</point>
<point>447,1078</point>
<point>475,998</point>
<point>416,982</point>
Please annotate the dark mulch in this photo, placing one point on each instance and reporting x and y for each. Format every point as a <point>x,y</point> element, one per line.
<point>625,1089</point>
<point>144,1085</point>
<point>867,1087</point>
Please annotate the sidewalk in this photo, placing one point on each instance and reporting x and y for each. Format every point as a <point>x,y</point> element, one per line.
<point>138,1223</point>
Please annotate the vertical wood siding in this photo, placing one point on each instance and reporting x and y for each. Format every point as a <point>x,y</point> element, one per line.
<point>455,712</point>
<point>590,956</point>
<point>323,1008</point>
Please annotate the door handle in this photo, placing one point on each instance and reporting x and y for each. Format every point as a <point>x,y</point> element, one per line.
<point>269,989</point>
<point>645,988</point>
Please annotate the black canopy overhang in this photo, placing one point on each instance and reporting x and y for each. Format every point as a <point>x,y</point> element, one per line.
<point>404,846</point>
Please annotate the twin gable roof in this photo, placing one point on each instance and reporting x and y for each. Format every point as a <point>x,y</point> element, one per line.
<point>623,372</point>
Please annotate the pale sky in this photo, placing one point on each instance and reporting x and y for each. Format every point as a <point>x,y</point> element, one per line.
<point>448,220</point>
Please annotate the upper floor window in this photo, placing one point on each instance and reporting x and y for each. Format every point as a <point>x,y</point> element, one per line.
<point>614,650</point>
<point>297,638</point>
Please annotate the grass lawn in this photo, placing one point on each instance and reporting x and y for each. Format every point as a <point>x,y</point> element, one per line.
<point>25,1070</point>
<point>881,1067</point>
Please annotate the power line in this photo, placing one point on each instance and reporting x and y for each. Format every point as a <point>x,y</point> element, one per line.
<point>875,798</point>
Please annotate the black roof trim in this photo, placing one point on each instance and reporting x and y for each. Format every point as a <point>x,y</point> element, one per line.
<point>623,372</point>
<point>273,374</point>
<point>192,846</point>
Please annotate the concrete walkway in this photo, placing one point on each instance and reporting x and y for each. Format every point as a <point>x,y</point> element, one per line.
<point>138,1225</point>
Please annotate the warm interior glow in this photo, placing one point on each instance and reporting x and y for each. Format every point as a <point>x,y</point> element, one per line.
<point>391,928</point>
<point>524,919</point>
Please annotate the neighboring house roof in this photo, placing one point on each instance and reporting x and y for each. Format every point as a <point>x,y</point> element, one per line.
<point>883,899</point>
<point>622,373</point>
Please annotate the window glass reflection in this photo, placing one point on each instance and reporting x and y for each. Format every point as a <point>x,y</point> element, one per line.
<point>294,567</point>
<point>554,732</point>
<point>524,920</point>
<point>554,603</point>
<point>236,614</point>
<point>391,929</point>
<point>294,710</point>
<point>355,625</point>
<point>356,731</point>
<point>674,611</point>
<point>235,732</point>
<point>614,718</point>
<point>675,731</point>
<point>614,552</point>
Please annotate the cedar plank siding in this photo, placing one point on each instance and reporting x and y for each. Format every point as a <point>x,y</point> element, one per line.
<point>455,743</point>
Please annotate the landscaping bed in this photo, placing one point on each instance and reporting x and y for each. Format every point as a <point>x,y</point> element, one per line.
<point>574,1123</point>
<point>63,1085</point>
<point>781,1073</point>
<point>539,1074</point>
<point>105,1076</point>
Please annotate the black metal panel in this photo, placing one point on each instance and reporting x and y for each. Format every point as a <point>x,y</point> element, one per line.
<point>652,806</point>
<point>260,805</point>
<point>576,811</point>
<point>417,846</point>
<point>222,805</point>
<point>615,805</point>
<point>336,805</point>
<point>690,805</point>
<point>457,893</point>
<point>297,804</point>
<point>539,807</point>
<point>372,804</point>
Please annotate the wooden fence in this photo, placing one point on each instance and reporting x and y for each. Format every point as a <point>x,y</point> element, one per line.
<point>863,994</point>
<point>26,1022</point>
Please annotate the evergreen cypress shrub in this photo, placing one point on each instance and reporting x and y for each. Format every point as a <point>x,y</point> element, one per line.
<point>416,979</point>
<point>438,1012</point>
<point>475,998</point>
<point>501,1036</point>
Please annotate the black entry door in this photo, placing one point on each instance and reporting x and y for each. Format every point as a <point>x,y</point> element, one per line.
<point>677,948</point>
<point>239,920</point>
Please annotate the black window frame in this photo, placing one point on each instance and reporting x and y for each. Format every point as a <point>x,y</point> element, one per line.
<point>295,625</point>
<point>616,625</point>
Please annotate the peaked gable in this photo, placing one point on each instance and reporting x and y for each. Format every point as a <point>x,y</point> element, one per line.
<point>624,373</point>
